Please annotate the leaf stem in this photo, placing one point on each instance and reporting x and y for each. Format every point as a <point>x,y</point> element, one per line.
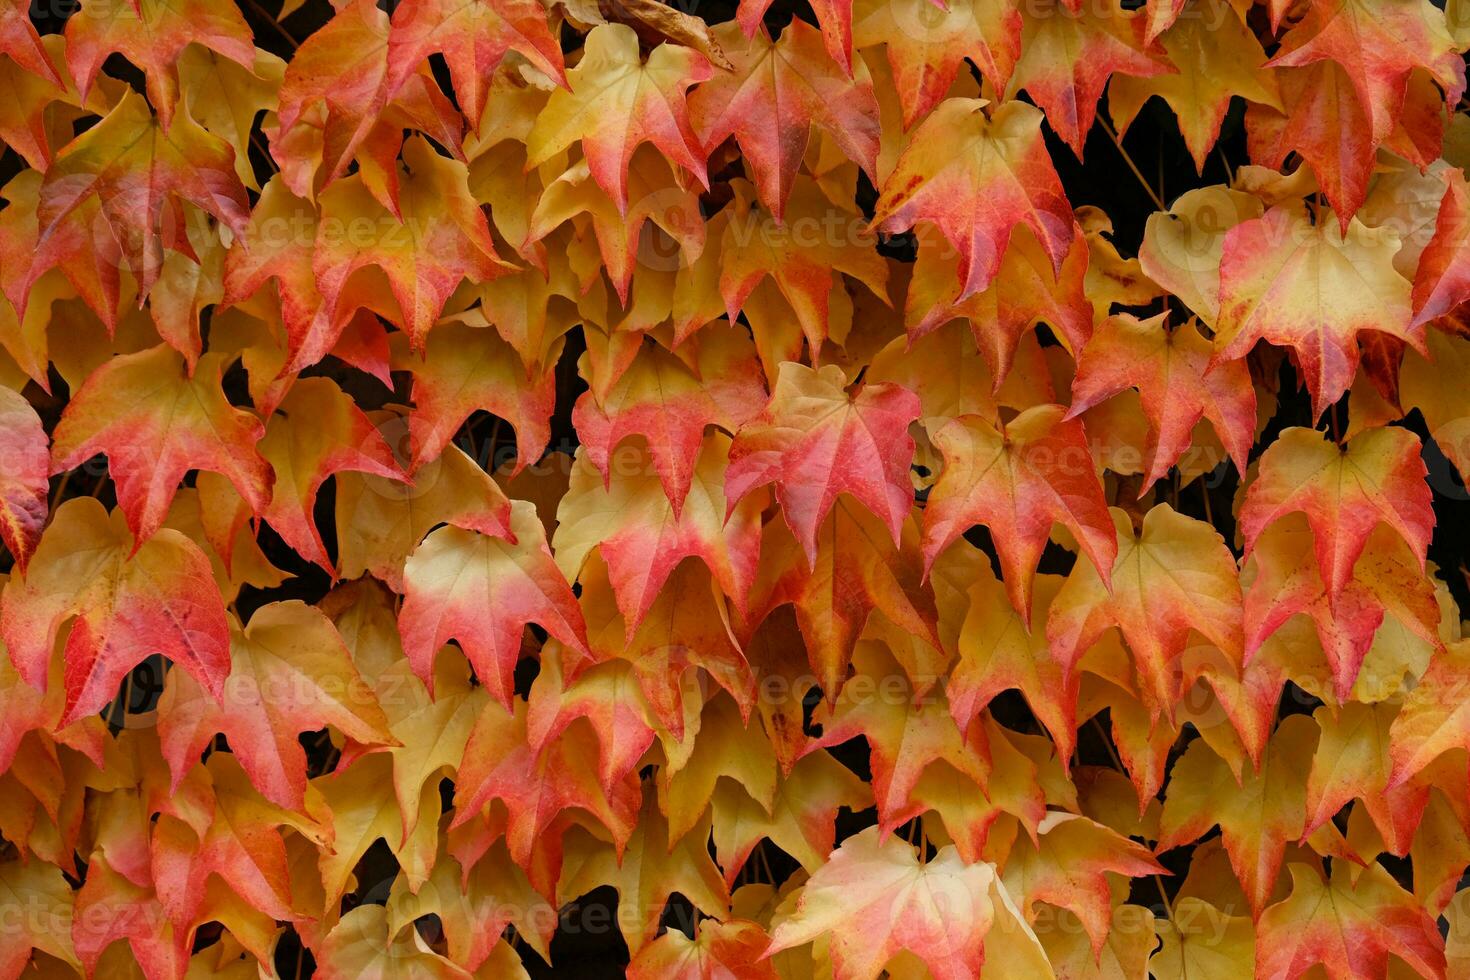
<point>271,20</point>
<point>1142,181</point>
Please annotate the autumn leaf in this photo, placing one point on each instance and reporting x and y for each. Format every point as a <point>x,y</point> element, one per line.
<point>1068,53</point>
<point>1276,274</point>
<point>317,431</point>
<point>1173,577</point>
<point>670,402</point>
<point>455,573</point>
<point>815,440</point>
<point>124,601</point>
<point>152,34</point>
<point>1018,480</point>
<point>473,38</point>
<point>1176,387</point>
<point>926,45</point>
<point>1257,815</point>
<point>290,673</point>
<point>875,898</point>
<point>140,174</point>
<point>23,483</point>
<point>1348,927</point>
<point>435,237</point>
<point>1344,491</point>
<point>642,536</point>
<point>1216,57</point>
<point>156,422</point>
<point>774,96</point>
<point>617,101</point>
<point>975,199</point>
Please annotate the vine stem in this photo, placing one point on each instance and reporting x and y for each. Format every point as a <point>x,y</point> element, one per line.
<point>275,24</point>
<point>1142,180</point>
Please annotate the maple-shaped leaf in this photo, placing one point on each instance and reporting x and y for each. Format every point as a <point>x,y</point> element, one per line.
<point>124,602</point>
<point>40,95</point>
<point>23,483</point>
<point>770,101</point>
<point>801,819</point>
<point>1217,57</point>
<point>264,253</point>
<point>1442,278</point>
<point>617,101</point>
<point>431,731</point>
<point>975,178</point>
<point>466,369</point>
<point>1313,288</point>
<point>155,423</point>
<point>241,845</point>
<point>651,868</point>
<point>359,807</point>
<point>335,105</point>
<point>997,651</point>
<point>1386,578</point>
<point>1068,53</point>
<point>1321,121</point>
<point>926,45</point>
<point>1018,480</point>
<point>536,787</point>
<point>905,740</point>
<point>40,887</point>
<point>1176,386</point>
<point>224,97</point>
<point>110,907</point>
<point>1025,291</point>
<point>1172,577</point>
<point>20,42</point>
<point>801,264</point>
<point>856,571</point>
<point>607,694</point>
<point>152,34</point>
<point>473,38</point>
<point>482,591</point>
<point>140,174</point>
<point>684,642</point>
<point>317,431</point>
<point>438,237</point>
<point>816,440</point>
<point>1350,924</point>
<point>1378,45</point>
<point>290,673</point>
<point>670,399</point>
<point>874,898</point>
<point>1353,761</point>
<point>1068,866</point>
<point>730,750</point>
<point>1344,491</point>
<point>1258,814</point>
<point>31,724</point>
<point>1429,384</point>
<point>1185,950</point>
<point>642,537</point>
<point>657,193</point>
<point>984,824</point>
<point>718,950</point>
<point>1433,719</point>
